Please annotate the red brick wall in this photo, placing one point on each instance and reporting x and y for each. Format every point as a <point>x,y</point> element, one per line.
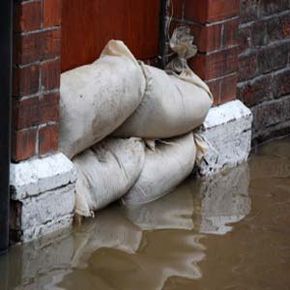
<point>264,67</point>
<point>214,23</point>
<point>36,78</point>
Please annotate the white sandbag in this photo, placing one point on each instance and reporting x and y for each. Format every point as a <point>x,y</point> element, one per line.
<point>98,98</point>
<point>173,105</point>
<point>164,168</point>
<point>106,172</point>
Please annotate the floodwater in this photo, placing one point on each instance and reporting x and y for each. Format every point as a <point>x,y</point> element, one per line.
<point>229,232</point>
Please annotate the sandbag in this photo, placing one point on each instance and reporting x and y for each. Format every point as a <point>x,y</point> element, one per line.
<point>173,105</point>
<point>164,168</point>
<point>98,98</point>
<point>107,171</point>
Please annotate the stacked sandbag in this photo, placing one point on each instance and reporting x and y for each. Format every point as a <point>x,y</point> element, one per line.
<point>173,105</point>
<point>98,98</point>
<point>165,166</point>
<point>117,95</point>
<point>106,172</point>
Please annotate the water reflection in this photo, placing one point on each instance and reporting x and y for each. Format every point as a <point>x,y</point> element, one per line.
<point>173,211</point>
<point>225,200</point>
<point>134,248</point>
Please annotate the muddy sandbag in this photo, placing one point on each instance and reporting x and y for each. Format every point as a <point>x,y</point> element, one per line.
<point>165,166</point>
<point>106,172</point>
<point>173,105</point>
<point>98,98</point>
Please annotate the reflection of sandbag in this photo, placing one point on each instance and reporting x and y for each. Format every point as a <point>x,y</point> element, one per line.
<point>106,172</point>
<point>172,106</point>
<point>173,211</point>
<point>164,168</point>
<point>162,256</point>
<point>109,229</point>
<point>98,98</point>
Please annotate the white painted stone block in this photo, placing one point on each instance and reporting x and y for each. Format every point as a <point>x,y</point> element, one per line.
<point>227,131</point>
<point>44,213</point>
<point>44,195</point>
<point>32,177</point>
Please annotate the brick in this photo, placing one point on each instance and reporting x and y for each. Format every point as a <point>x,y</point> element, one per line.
<point>50,47</point>
<point>278,28</point>
<point>248,66</point>
<point>282,83</point>
<point>37,46</point>
<point>268,7</point>
<point>27,16</point>
<point>48,139</point>
<point>286,25</point>
<point>249,10</point>
<point>274,29</point>
<point>25,80</point>
<point>230,33</point>
<point>25,113</point>
<point>216,64</point>
<point>198,65</point>
<point>207,37</point>
<point>27,48</point>
<point>50,75</point>
<point>229,88</point>
<point>255,91</point>
<point>211,10</point>
<point>49,108</point>
<point>215,87</point>
<point>23,144</point>
<point>51,13</point>
<point>273,58</point>
<point>271,113</point>
<point>259,33</point>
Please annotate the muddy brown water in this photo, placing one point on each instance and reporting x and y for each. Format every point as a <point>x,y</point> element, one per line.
<point>229,232</point>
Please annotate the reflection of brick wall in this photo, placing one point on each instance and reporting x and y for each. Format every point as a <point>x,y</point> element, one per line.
<point>36,77</point>
<point>214,24</point>
<point>264,71</point>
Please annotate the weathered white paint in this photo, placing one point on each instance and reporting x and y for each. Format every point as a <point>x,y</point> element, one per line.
<point>32,177</point>
<point>47,212</point>
<point>45,188</point>
<point>227,131</point>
